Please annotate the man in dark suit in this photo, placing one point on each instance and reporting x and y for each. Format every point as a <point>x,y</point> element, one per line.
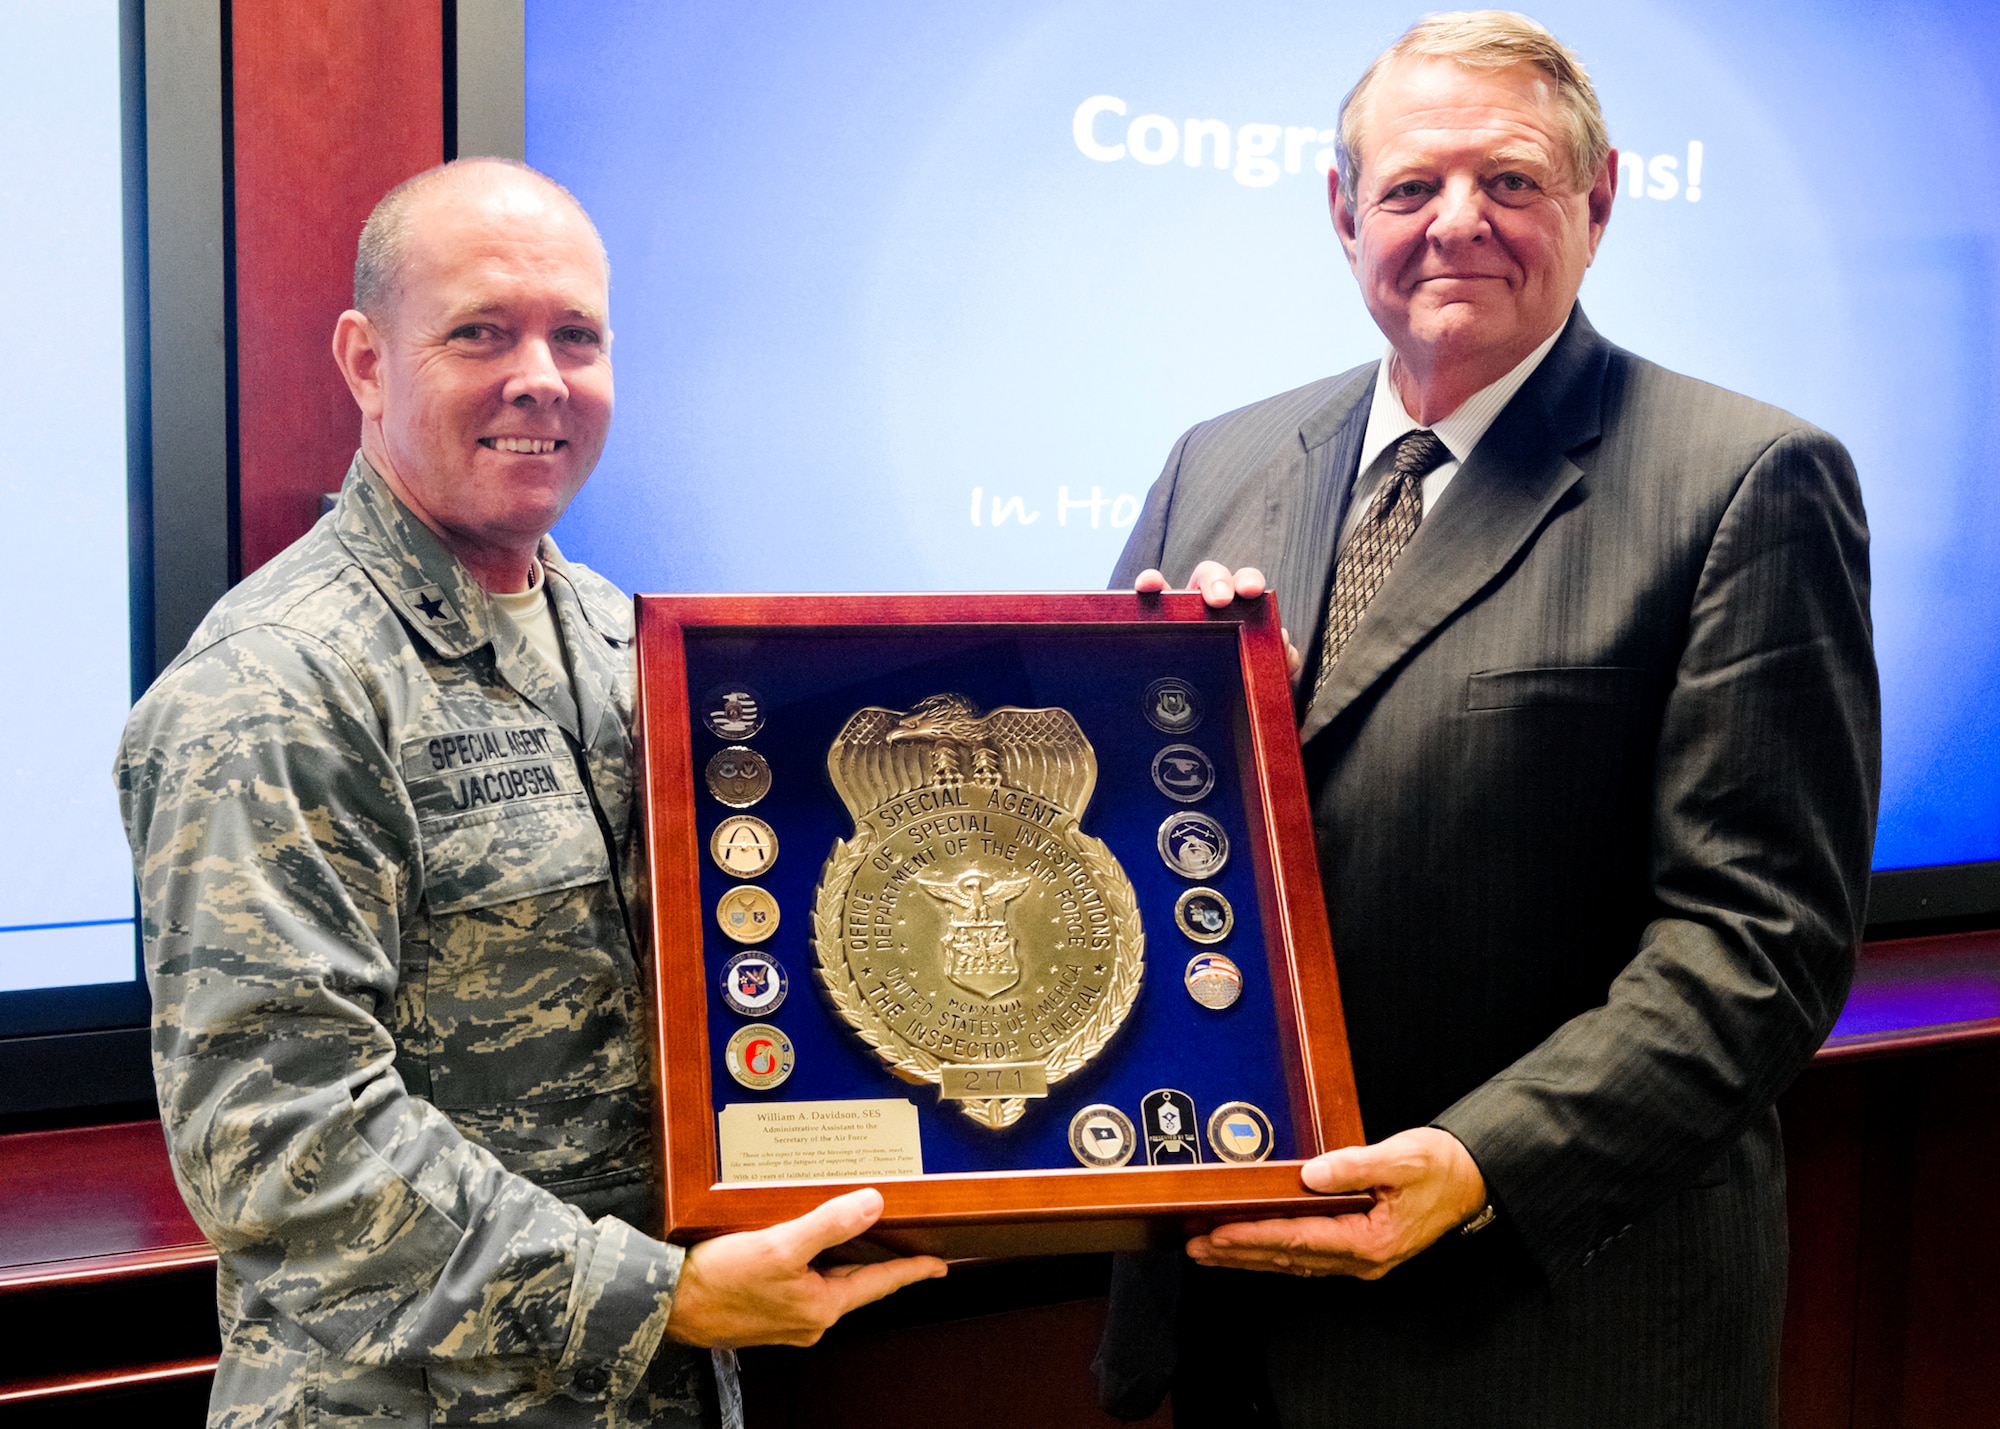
<point>1590,720</point>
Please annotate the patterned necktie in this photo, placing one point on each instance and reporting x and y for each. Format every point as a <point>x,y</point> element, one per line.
<point>1388,525</point>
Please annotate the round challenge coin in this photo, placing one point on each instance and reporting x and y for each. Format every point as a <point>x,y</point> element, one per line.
<point>748,914</point>
<point>759,1056</point>
<point>737,776</point>
<point>1172,706</point>
<point>1102,1136</point>
<point>1204,915</point>
<point>732,712</point>
<point>1213,980</point>
<point>1193,845</point>
<point>753,984</point>
<point>1239,1132</point>
<point>1183,773</point>
<point>743,845</point>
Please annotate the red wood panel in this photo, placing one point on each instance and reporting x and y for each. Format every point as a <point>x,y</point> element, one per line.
<point>1928,1326</point>
<point>81,1204</point>
<point>336,101</point>
<point>1915,993</point>
<point>1825,1167</point>
<point>1029,1369</point>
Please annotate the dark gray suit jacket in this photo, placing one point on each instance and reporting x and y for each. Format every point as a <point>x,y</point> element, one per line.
<point>1594,787</point>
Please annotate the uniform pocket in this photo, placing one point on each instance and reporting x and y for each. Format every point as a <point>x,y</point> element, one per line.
<point>529,994</point>
<point>1554,685</point>
<point>516,851</point>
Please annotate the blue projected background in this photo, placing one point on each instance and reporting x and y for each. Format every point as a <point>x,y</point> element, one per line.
<point>918,297</point>
<point>65,873</point>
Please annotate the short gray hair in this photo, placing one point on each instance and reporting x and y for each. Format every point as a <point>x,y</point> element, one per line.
<point>383,249</point>
<point>1488,40</point>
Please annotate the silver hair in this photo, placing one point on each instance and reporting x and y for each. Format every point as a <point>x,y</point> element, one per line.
<point>383,249</point>
<point>1488,40</point>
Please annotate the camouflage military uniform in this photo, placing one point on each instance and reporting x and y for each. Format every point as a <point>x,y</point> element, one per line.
<point>398,1030</point>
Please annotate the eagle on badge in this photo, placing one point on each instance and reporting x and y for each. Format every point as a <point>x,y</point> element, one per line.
<point>944,740</point>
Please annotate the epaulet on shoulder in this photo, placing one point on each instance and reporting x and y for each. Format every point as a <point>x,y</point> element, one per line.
<point>282,594</point>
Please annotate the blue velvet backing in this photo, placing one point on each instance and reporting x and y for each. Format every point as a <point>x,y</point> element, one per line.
<point>810,682</point>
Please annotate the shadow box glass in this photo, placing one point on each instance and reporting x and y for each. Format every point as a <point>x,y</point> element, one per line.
<point>1006,905</point>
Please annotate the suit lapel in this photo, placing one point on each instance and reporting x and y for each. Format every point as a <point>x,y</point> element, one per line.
<point>1494,506</point>
<point>1332,439</point>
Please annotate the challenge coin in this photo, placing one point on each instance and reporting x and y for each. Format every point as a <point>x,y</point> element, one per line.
<point>1213,980</point>
<point>732,712</point>
<point>739,777</point>
<point>1204,915</point>
<point>753,984</point>
<point>1172,706</point>
<point>1193,845</point>
<point>743,845</point>
<point>758,1056</point>
<point>748,914</point>
<point>1171,1139</point>
<point>1102,1137</point>
<point>1183,773</point>
<point>1238,1132</point>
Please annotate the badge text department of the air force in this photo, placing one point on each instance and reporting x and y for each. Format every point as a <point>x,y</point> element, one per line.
<point>970,931</point>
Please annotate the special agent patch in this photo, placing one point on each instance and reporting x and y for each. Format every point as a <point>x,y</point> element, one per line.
<point>461,770</point>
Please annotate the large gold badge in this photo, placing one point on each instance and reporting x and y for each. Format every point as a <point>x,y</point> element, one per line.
<point>970,931</point>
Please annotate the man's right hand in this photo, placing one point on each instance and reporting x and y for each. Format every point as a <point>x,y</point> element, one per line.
<point>760,1288</point>
<point>1218,586</point>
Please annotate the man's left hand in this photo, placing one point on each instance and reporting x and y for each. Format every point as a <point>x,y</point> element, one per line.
<point>1425,1184</point>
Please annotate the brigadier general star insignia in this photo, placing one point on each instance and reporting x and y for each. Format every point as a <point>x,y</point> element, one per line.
<point>429,603</point>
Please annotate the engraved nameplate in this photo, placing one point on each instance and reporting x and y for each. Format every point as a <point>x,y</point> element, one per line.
<point>819,1141</point>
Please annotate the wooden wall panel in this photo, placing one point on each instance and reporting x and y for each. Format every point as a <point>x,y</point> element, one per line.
<point>1825,1170</point>
<point>1025,1369</point>
<point>335,102</point>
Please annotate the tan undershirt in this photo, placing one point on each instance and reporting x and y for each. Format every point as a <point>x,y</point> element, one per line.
<point>531,613</point>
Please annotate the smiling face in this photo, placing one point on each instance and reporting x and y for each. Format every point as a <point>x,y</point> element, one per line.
<point>485,385</point>
<point>1468,234</point>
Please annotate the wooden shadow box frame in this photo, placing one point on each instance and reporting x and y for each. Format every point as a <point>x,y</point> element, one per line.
<point>1011,1212</point>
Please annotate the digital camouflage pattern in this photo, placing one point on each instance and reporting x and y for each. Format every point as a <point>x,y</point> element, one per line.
<point>398,1032</point>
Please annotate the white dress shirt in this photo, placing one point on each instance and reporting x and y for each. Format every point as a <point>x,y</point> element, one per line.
<point>1460,432</point>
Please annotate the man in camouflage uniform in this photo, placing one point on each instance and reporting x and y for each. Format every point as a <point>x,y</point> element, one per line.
<point>381,812</point>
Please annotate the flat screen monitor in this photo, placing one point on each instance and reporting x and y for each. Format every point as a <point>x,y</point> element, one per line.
<point>918,297</point>
<point>120,386</point>
<point>66,904</point>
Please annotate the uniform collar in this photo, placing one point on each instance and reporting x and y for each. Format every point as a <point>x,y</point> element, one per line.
<point>441,601</point>
<point>415,573</point>
<point>424,581</point>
